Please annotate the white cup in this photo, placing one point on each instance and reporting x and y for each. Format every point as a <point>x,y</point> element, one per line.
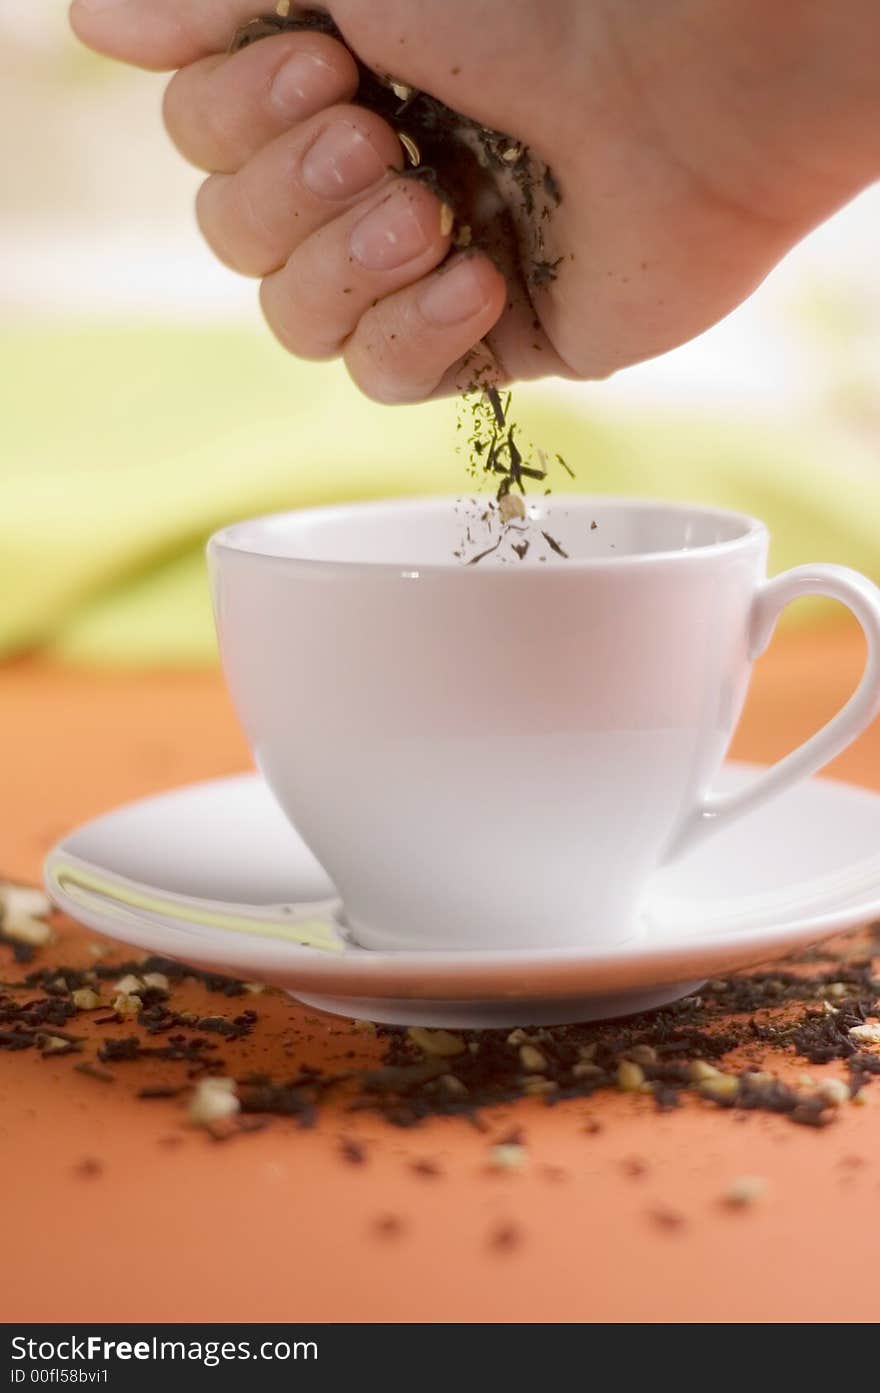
<point>500,755</point>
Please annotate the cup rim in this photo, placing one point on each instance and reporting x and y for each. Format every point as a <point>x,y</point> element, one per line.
<point>229,538</point>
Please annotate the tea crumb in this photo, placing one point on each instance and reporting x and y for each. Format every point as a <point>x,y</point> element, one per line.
<point>669,1219</point>
<point>834,1092</point>
<point>429,1170</point>
<point>129,985</point>
<point>92,1071</point>
<point>352,1151</point>
<point>555,1174</point>
<point>634,1166</point>
<point>85,999</point>
<point>744,1191</point>
<point>214,1100</point>
<point>724,1088</point>
<point>505,1237</point>
<point>508,1156</point>
<point>89,1168</point>
<point>630,1077</point>
<point>868,1034</point>
<point>388,1226</point>
<point>439,1043</point>
<point>452,1085</point>
<point>514,1137</point>
<point>531,1059</point>
<point>127,1004</point>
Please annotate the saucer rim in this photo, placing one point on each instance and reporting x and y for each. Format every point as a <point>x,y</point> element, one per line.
<point>558,972</point>
<point>371,969</point>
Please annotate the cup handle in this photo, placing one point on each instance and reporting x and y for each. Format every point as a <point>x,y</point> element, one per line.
<point>862,597</point>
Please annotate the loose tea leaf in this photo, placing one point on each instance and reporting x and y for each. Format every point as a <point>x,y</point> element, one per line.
<point>701,1051</point>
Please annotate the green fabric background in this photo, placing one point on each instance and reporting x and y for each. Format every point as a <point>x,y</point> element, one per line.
<point>122,449</point>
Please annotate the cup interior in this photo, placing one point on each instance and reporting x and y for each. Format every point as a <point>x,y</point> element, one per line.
<point>430,532</point>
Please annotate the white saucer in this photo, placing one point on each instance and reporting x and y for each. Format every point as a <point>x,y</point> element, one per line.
<point>214,875</point>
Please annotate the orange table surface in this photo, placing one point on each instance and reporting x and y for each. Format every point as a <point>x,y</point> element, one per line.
<point>277,1226</point>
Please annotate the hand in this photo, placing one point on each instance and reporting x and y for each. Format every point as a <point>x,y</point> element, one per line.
<point>694,144</point>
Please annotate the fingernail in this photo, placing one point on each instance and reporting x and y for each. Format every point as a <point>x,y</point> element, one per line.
<point>454,295</point>
<point>390,235</point>
<point>90,5</point>
<point>301,85</point>
<point>341,163</point>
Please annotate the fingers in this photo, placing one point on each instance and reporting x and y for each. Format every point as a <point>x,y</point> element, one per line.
<point>255,219</point>
<point>403,349</point>
<point>220,111</point>
<point>317,300</point>
<point>161,34</point>
<point>301,194</point>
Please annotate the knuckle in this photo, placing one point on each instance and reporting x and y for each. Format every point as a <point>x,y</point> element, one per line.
<point>191,119</point>
<point>208,214</point>
<point>293,325</point>
<point>176,101</point>
<point>219,119</point>
<point>251,210</point>
<point>233,217</point>
<point>379,364</point>
<point>197,124</point>
<point>218,226</point>
<point>377,389</point>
